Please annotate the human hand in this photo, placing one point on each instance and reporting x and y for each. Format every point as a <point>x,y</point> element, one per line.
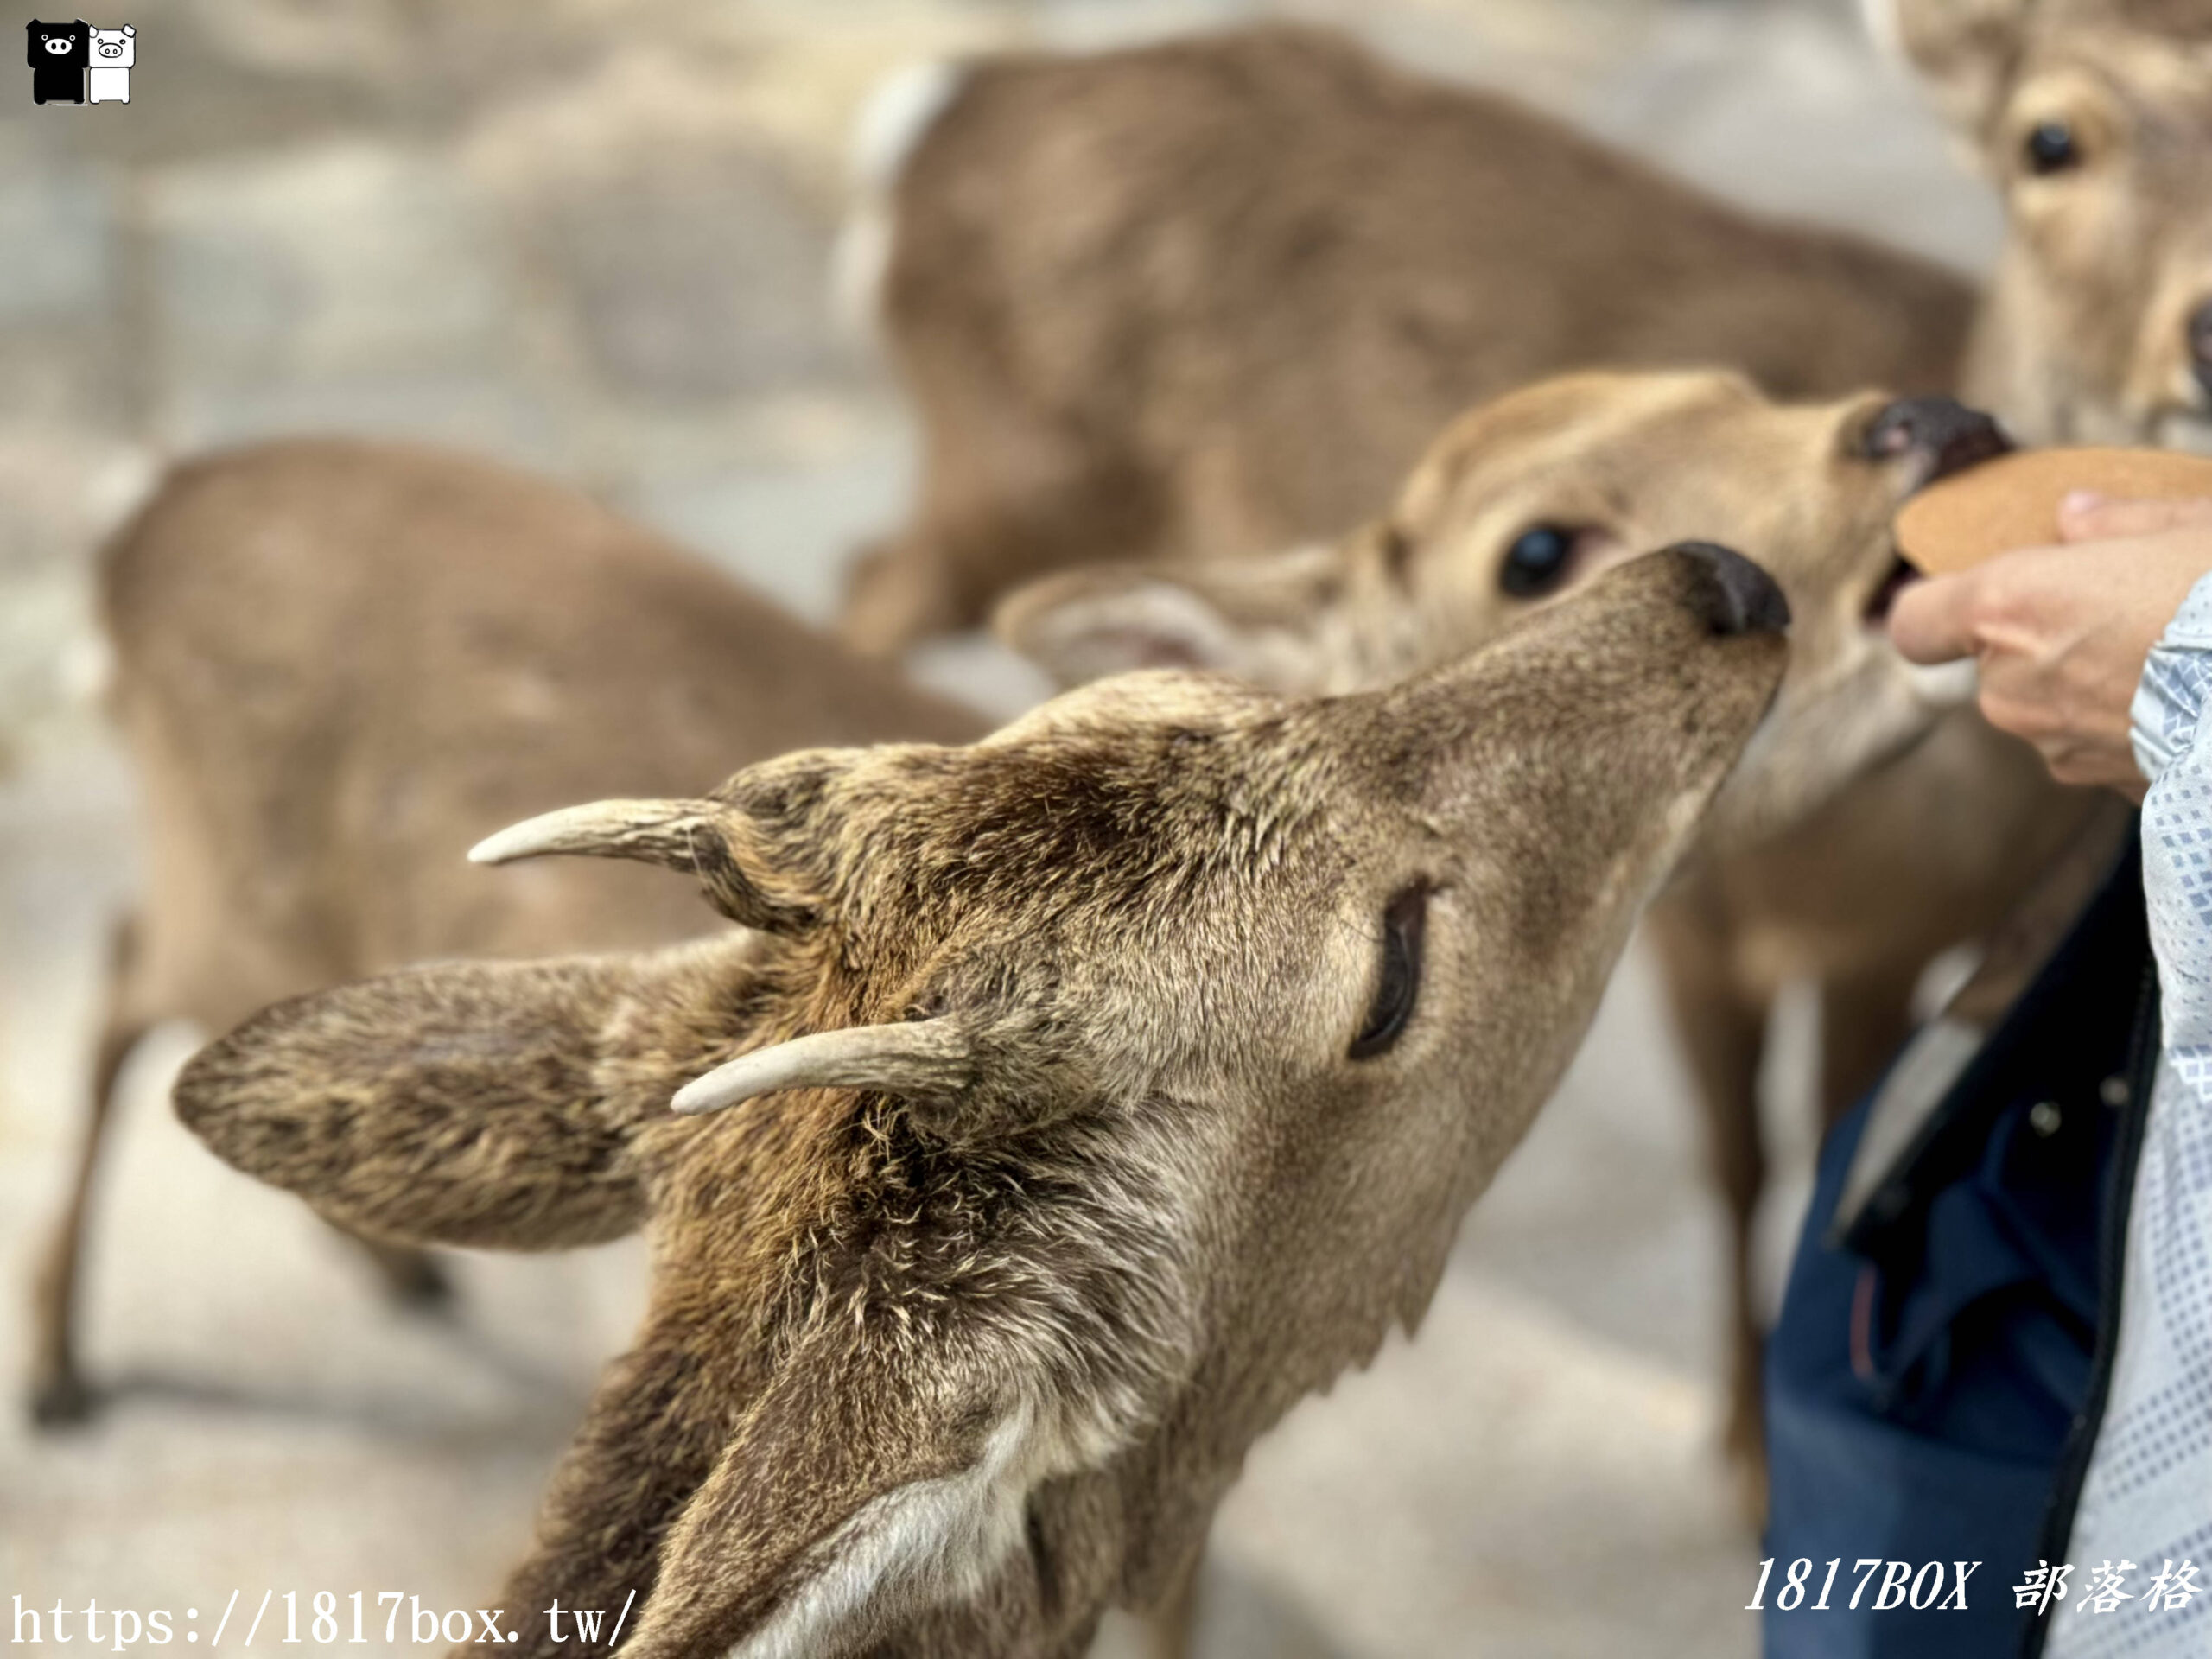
<point>2061,633</point>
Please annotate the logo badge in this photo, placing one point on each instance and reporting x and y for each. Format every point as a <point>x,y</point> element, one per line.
<point>77,63</point>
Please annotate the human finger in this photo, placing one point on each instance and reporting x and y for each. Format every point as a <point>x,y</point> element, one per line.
<point>1932,622</point>
<point>2087,516</point>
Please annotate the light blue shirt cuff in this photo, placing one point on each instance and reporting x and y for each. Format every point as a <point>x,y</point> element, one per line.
<point>2170,700</point>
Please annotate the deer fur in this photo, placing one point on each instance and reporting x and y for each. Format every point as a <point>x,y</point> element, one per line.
<point>343,714</point>
<point>1213,297</point>
<point>1201,300</point>
<point>1879,820</point>
<point>2085,335</point>
<point>427,624</point>
<point>946,1361</point>
<point>336,664</point>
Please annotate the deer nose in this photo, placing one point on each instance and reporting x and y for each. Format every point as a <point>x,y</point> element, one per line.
<point>1950,435</point>
<point>2199,346</point>
<point>1731,595</point>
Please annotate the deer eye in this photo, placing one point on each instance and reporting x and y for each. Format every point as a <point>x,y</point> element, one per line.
<point>1537,563</point>
<point>1397,986</point>
<point>2052,148</point>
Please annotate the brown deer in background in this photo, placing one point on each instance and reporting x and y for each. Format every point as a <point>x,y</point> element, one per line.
<point>1129,1072</point>
<point>1213,297</point>
<point>2094,118</point>
<point>337,664</point>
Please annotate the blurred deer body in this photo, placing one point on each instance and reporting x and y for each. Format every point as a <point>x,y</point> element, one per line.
<point>1094,1091</point>
<point>1213,297</point>
<point>337,666</point>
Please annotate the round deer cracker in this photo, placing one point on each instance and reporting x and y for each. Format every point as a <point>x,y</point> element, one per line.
<point>2013,501</point>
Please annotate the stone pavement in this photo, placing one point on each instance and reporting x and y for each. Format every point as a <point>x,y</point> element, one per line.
<point>591,235</point>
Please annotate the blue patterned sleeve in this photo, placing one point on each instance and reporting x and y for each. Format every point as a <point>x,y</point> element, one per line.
<point>2148,1491</point>
<point>2177,813</point>
<point>2171,695</point>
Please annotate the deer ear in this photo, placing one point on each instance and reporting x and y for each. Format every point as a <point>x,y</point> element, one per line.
<point>1965,51</point>
<point>1284,621</point>
<point>472,1104</point>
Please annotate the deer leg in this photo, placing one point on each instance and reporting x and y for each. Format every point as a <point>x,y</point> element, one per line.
<point>1722,1026</point>
<point>928,578</point>
<point>1171,1624</point>
<point>1864,1018</point>
<point>59,1393</point>
<point>411,1277</point>
<point>946,572</point>
<point>1009,491</point>
<point>900,590</point>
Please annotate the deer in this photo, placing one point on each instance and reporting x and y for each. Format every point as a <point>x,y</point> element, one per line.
<point>1203,302</point>
<point>425,620</point>
<point>2094,120</point>
<point>1069,1105</point>
<point>1883,820</point>
<point>336,660</point>
<point>1212,297</point>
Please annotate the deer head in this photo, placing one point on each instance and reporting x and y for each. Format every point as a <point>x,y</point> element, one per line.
<point>2094,118</point>
<point>1070,1103</point>
<point>1531,496</point>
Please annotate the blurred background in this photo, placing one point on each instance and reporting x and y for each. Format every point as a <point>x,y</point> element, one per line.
<point>594,237</point>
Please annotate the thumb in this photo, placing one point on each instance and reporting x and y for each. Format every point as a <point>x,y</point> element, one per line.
<point>1931,621</point>
<point>2086,516</point>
